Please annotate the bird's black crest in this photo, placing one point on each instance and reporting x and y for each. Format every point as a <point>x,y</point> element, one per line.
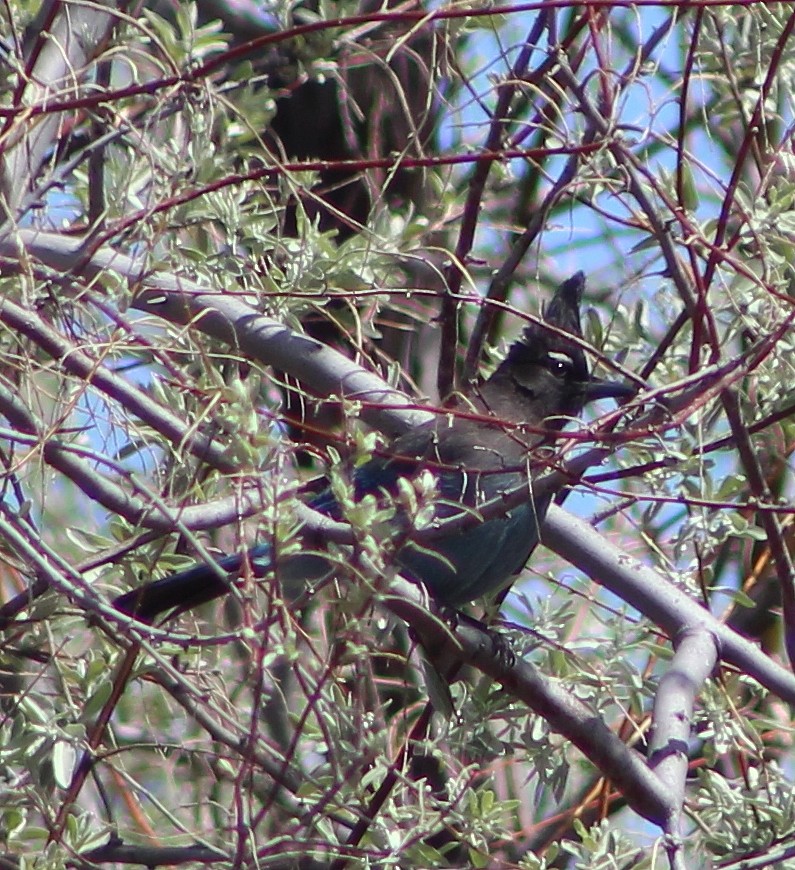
<point>563,312</point>
<point>564,309</point>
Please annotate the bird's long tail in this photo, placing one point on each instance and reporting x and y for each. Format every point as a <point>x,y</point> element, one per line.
<point>193,586</point>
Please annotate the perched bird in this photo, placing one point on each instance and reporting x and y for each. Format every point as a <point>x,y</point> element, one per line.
<point>491,442</point>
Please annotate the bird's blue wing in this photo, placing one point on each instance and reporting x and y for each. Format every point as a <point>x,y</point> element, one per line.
<point>465,564</point>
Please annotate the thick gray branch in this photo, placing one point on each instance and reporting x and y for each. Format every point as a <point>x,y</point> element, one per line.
<point>566,714</point>
<point>228,319</point>
<point>655,597</point>
<point>73,40</point>
<point>90,370</point>
<point>695,658</point>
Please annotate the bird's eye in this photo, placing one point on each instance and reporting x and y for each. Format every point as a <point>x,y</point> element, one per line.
<point>559,363</point>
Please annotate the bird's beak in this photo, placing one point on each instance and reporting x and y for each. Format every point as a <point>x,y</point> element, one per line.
<point>597,388</point>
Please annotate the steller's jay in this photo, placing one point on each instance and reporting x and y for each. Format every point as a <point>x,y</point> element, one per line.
<point>490,442</point>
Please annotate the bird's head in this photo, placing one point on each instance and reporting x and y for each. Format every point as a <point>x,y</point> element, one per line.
<point>549,371</point>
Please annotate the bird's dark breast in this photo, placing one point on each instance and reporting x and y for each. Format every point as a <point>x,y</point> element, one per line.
<point>482,556</point>
<point>476,561</point>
